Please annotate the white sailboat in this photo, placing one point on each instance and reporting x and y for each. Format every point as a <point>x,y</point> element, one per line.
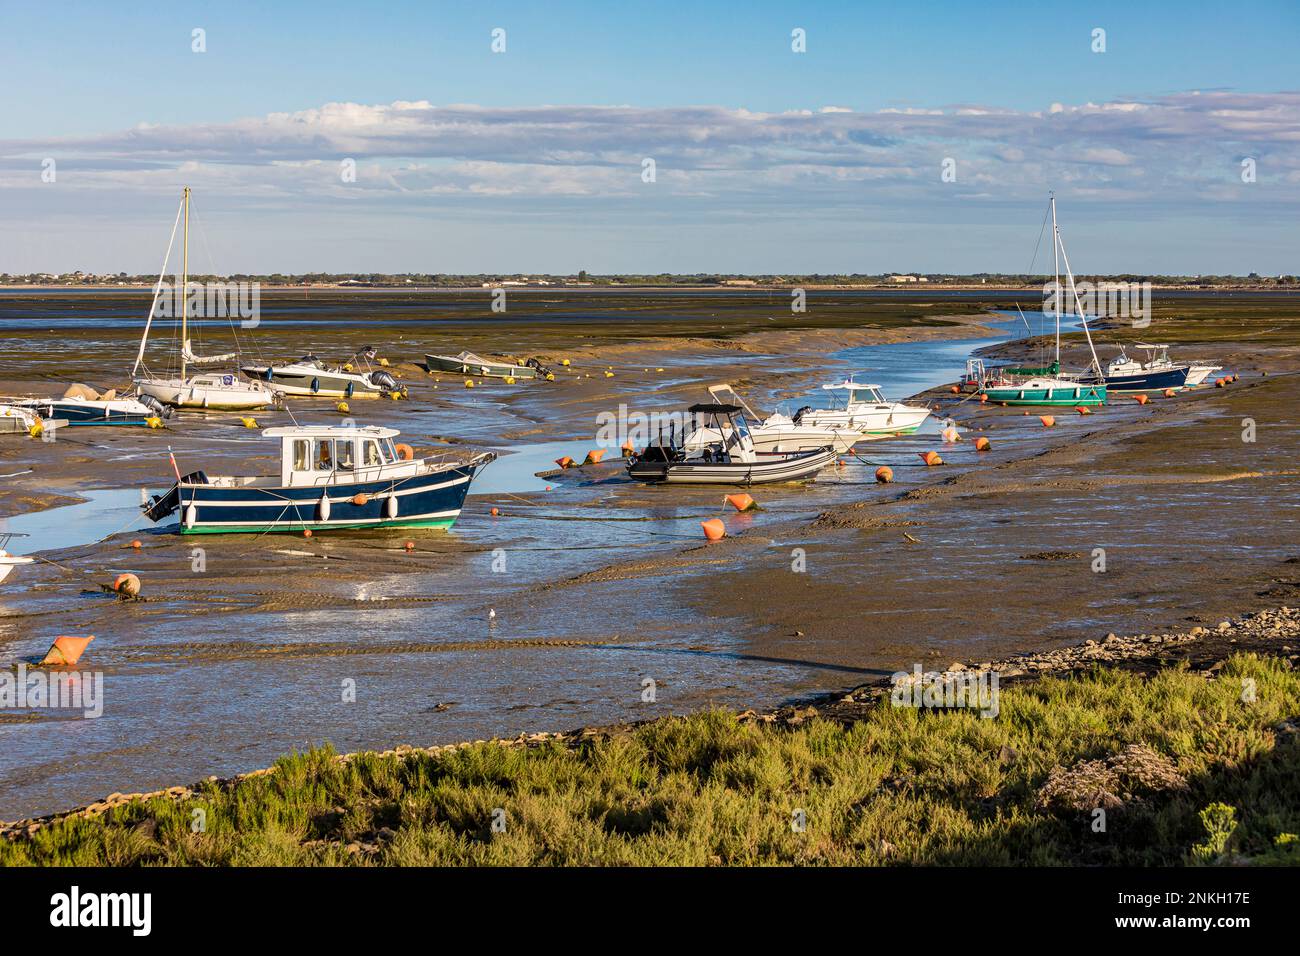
<point>221,391</point>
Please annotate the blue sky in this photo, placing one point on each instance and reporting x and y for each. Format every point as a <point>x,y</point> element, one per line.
<point>766,160</point>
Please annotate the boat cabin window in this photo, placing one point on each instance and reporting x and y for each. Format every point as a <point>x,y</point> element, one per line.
<point>865,395</point>
<point>343,455</point>
<point>371,453</point>
<point>301,454</point>
<point>390,453</point>
<point>324,454</point>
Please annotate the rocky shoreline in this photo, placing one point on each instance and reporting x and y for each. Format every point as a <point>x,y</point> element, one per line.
<point>1270,632</point>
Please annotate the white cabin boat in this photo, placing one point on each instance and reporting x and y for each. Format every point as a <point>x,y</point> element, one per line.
<point>864,409</point>
<point>778,434</point>
<point>331,477</point>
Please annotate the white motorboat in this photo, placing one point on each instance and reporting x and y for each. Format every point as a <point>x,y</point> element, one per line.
<point>778,434</point>
<point>10,561</point>
<point>310,377</point>
<point>217,391</point>
<point>864,409</point>
<point>731,460</point>
<point>15,419</point>
<point>1197,373</point>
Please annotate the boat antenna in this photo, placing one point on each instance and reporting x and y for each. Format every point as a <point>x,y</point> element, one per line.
<point>157,290</point>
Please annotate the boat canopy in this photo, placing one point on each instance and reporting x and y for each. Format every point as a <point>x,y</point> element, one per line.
<point>849,384</point>
<point>713,409</point>
<point>331,431</point>
<point>1053,369</point>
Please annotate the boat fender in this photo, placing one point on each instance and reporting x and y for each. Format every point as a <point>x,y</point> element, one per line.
<point>270,374</point>
<point>315,385</point>
<point>405,451</point>
<point>347,392</point>
<point>323,508</point>
<point>190,515</point>
<point>390,508</point>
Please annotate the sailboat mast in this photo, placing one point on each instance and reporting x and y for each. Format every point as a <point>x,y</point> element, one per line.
<point>185,283</point>
<point>1056,277</point>
<point>1083,318</point>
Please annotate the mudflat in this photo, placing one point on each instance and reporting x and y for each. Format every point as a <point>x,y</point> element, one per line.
<point>1134,518</point>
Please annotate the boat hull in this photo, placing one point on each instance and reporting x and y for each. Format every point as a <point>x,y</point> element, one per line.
<point>449,363</point>
<point>182,395</point>
<point>1146,380</point>
<point>87,412</point>
<point>1062,393</point>
<point>313,385</point>
<point>789,468</point>
<point>902,420</point>
<point>1197,374</point>
<point>432,500</point>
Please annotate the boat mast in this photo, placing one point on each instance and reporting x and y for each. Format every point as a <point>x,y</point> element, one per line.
<point>157,290</point>
<point>1056,277</point>
<point>185,282</point>
<point>1096,362</point>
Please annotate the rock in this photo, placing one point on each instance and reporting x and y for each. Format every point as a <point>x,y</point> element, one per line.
<point>956,666</point>
<point>1112,637</point>
<point>1225,626</point>
<point>1008,755</point>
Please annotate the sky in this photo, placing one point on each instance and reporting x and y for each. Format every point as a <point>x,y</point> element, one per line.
<point>392,137</point>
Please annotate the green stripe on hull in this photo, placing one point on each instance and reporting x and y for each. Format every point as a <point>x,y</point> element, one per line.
<point>887,432</point>
<point>1011,397</point>
<point>443,524</point>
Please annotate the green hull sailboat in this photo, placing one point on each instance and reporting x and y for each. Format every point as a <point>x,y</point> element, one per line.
<point>1044,386</point>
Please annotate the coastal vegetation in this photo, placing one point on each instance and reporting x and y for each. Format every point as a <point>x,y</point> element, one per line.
<point>1103,767</point>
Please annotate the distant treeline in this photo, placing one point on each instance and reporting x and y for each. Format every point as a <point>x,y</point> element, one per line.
<point>663,279</point>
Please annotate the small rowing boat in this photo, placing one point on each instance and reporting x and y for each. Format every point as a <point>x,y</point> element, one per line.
<point>470,363</point>
<point>331,477</point>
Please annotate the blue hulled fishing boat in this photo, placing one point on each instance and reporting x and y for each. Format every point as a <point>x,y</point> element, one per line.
<point>331,477</point>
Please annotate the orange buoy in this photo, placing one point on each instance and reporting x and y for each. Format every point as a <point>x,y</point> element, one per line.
<point>1141,399</point>
<point>884,474</point>
<point>954,389</point>
<point>565,462</point>
<point>594,456</point>
<point>495,512</point>
<point>982,444</point>
<point>1083,409</point>
<point>951,435</point>
<point>127,584</point>
<point>405,451</point>
<point>931,457</point>
<point>360,500</point>
<point>136,544</point>
<point>1047,420</point>
<point>983,398</point>
<point>1219,383</point>
<point>66,650</point>
<point>306,532</point>
<point>742,502</point>
<point>1170,392</point>
<point>714,529</point>
<point>410,546</point>
<point>628,450</point>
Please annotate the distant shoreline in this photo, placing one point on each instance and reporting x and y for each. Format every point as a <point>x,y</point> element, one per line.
<point>934,289</point>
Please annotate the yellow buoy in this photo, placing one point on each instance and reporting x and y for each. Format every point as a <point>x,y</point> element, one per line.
<point>342,408</point>
<point>36,430</point>
<point>469,383</point>
<point>383,362</point>
<point>248,422</point>
<point>510,380</point>
<point>154,421</point>
<point>564,362</point>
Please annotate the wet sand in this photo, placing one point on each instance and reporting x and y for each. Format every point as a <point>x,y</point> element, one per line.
<point>607,582</point>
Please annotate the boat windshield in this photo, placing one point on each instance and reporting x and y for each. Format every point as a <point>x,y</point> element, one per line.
<point>390,453</point>
<point>862,396</point>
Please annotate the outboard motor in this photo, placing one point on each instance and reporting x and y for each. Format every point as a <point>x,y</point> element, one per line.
<point>798,416</point>
<point>383,380</point>
<point>541,369</point>
<point>155,406</point>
